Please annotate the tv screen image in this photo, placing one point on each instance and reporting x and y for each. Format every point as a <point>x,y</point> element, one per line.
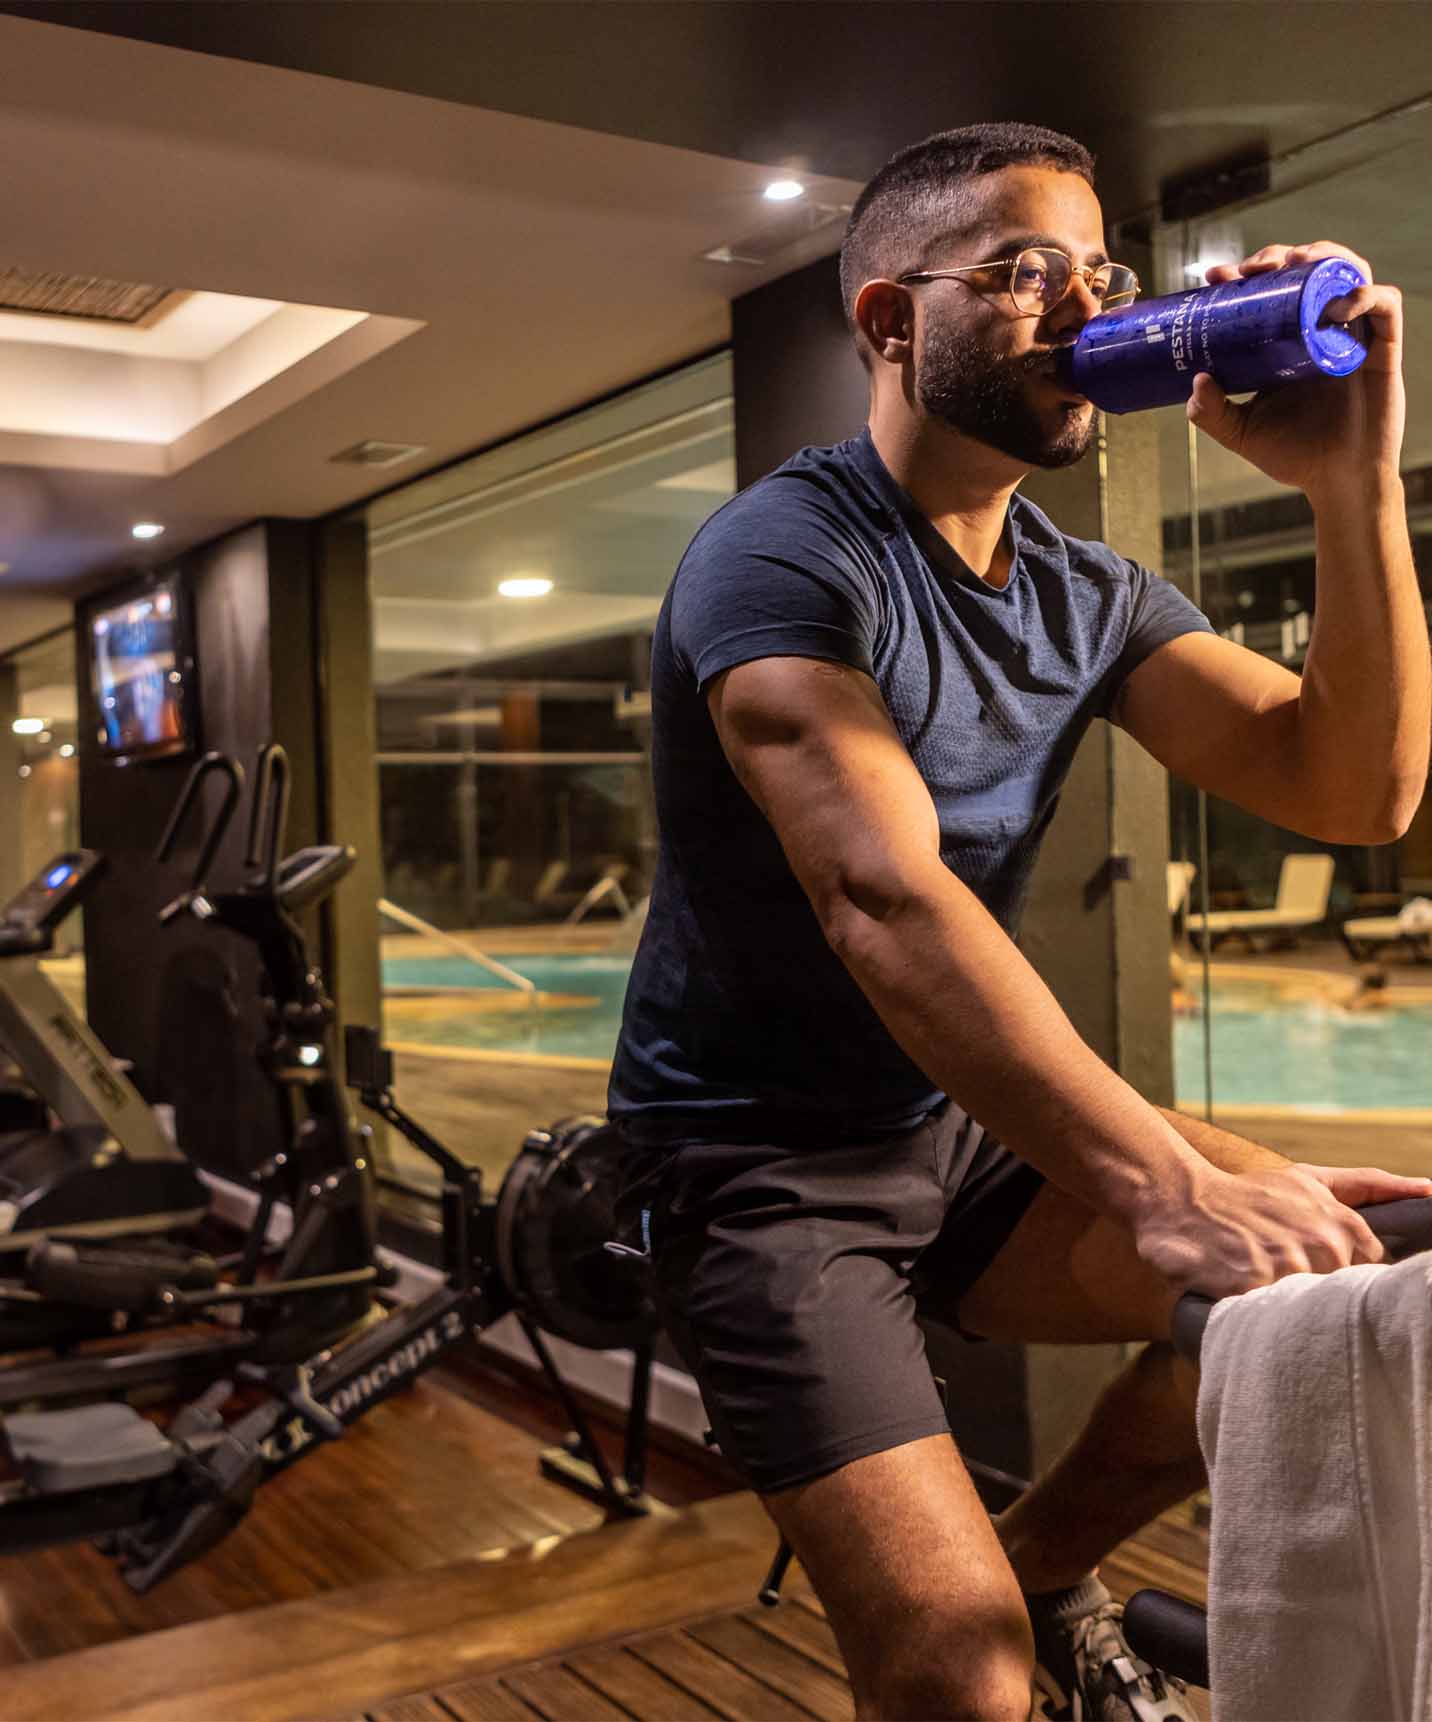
<point>140,673</point>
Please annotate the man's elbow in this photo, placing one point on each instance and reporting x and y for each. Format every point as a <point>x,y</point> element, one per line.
<point>1398,814</point>
<point>856,905</point>
<point>1372,822</point>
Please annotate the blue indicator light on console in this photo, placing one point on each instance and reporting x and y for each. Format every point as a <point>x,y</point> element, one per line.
<point>57,876</point>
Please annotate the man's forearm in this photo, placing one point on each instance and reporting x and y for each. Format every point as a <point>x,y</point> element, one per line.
<point>971,1012</point>
<point>1365,710</point>
<point>1228,1152</point>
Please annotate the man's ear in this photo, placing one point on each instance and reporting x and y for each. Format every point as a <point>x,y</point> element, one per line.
<point>885,315</point>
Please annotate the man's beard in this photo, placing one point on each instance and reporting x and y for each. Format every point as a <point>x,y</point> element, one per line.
<point>984,396</point>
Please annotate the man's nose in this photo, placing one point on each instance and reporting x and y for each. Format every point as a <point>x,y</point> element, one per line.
<point>1074,310</point>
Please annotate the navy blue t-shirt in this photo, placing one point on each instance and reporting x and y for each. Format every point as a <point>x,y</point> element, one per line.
<point>740,1021</point>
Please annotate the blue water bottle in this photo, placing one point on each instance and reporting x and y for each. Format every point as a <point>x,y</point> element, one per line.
<point>1257,332</point>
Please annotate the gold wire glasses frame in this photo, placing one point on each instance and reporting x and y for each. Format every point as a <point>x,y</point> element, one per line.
<point>1040,277</point>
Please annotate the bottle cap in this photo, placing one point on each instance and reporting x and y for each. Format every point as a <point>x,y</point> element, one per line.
<point>1337,349</point>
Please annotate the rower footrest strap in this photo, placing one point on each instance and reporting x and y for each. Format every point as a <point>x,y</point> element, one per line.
<point>91,1447</point>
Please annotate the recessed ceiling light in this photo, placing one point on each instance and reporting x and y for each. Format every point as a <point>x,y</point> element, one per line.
<point>28,726</point>
<point>68,750</point>
<point>44,737</point>
<point>783,190</point>
<point>525,586</point>
<point>146,529</point>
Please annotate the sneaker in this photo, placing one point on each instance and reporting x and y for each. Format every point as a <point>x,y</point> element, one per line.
<point>1086,1671</point>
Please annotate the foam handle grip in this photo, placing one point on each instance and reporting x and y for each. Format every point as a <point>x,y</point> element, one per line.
<point>1169,1633</point>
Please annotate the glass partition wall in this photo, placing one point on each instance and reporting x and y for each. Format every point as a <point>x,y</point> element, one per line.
<point>39,804</point>
<point>1311,1031</point>
<point>514,598</point>
<point>45,734</point>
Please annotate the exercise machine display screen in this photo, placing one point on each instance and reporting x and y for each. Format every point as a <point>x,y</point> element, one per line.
<point>141,672</point>
<point>54,892</point>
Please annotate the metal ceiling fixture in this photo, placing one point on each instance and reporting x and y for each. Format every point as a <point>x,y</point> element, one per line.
<point>789,224</point>
<point>379,453</point>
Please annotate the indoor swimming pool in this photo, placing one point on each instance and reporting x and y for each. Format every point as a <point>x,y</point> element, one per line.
<point>1274,1044</point>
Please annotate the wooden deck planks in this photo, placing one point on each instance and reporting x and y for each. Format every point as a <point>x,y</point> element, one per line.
<point>553,1690</point>
<point>639,1689</point>
<point>778,1666</point>
<point>728,1687</point>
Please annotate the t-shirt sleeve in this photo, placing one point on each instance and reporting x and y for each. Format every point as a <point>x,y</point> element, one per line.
<point>1159,613</point>
<point>774,575</point>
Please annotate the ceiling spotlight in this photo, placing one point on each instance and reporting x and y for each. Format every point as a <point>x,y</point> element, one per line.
<point>28,726</point>
<point>24,771</point>
<point>67,751</point>
<point>146,529</point>
<point>783,190</point>
<point>44,737</point>
<point>525,586</point>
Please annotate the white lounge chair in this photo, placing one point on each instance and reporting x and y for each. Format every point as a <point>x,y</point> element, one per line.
<point>1411,928</point>
<point>1305,883</point>
<point>1180,877</point>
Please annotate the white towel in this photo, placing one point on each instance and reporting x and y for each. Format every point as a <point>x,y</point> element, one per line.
<point>1416,916</point>
<point>1316,1422</point>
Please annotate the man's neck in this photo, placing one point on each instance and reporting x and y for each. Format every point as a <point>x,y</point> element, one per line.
<point>961,486</point>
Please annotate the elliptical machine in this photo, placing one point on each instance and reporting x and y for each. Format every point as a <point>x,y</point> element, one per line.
<point>319,1287</point>
<point>154,1499</point>
<point>107,1170</point>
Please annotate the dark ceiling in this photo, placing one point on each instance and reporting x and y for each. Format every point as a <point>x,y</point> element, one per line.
<point>1156,87</point>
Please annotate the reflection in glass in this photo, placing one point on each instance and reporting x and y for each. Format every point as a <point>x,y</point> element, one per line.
<point>1306,992</point>
<point>514,599</point>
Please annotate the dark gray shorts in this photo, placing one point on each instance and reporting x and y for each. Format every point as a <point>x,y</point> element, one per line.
<point>789,1280</point>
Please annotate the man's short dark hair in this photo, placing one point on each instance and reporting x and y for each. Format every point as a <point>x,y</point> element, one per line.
<point>915,198</point>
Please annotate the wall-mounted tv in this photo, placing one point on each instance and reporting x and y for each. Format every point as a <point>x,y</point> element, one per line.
<point>142,671</point>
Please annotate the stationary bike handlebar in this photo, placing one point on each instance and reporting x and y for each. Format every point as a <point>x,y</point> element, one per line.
<point>1403,1228</point>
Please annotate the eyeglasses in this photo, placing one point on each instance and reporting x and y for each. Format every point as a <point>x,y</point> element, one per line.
<point>1040,277</point>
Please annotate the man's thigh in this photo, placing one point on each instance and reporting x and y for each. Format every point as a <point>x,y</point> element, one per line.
<point>1065,1275</point>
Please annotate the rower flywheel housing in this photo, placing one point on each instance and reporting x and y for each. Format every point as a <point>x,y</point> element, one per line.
<point>554,1217</point>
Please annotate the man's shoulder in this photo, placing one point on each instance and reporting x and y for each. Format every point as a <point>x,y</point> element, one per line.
<point>1086,558</point>
<point>817,492</point>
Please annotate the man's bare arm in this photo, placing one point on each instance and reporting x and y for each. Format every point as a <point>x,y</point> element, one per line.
<point>1222,1148</point>
<point>1341,753</point>
<point>813,745</point>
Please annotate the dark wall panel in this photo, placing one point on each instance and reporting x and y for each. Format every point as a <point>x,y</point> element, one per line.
<point>796,377</point>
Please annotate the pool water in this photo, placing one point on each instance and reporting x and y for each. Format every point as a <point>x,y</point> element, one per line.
<point>583,1031</point>
<point>1269,1047</point>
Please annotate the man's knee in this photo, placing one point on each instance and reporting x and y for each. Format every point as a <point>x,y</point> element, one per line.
<point>974,1666</point>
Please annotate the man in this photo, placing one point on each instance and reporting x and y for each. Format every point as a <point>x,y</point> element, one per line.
<point>869,677</point>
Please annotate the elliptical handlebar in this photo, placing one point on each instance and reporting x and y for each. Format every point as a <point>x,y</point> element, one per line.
<point>233,773</point>
<point>1403,1228</point>
<point>268,814</point>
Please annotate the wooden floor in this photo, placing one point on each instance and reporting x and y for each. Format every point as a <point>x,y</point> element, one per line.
<point>652,1620</point>
<point>445,1472</point>
<point>752,1664</point>
<point>422,1571</point>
